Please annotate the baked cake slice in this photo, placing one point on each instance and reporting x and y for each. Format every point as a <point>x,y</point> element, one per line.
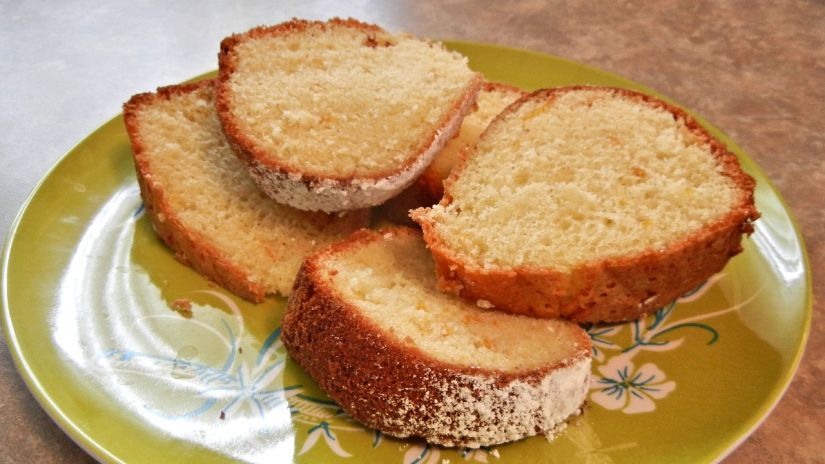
<point>367,323</point>
<point>203,204</point>
<point>339,115</point>
<point>594,204</point>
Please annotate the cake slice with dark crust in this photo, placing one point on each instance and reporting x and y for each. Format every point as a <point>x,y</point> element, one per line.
<point>594,204</point>
<point>367,323</point>
<point>339,115</point>
<point>205,207</point>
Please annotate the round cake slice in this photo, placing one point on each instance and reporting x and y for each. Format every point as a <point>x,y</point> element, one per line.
<point>339,115</point>
<point>594,204</point>
<point>367,323</point>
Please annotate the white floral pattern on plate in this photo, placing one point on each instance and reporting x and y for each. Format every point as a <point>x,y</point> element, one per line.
<point>616,383</point>
<point>623,387</point>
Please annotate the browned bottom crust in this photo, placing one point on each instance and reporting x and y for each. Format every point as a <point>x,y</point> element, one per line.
<point>611,290</point>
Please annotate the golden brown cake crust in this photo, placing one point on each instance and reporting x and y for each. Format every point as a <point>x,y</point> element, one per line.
<point>301,188</point>
<point>610,290</point>
<point>378,380</point>
<point>189,247</point>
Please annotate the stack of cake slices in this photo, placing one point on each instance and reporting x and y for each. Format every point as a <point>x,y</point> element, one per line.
<point>538,210</point>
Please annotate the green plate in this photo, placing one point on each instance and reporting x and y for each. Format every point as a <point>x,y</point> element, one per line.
<point>88,291</point>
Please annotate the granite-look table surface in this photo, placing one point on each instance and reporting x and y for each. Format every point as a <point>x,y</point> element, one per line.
<point>757,71</point>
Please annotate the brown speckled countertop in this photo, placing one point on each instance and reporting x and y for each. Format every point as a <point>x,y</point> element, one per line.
<point>756,72</point>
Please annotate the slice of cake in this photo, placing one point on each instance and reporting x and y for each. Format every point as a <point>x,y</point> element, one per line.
<point>203,204</point>
<point>367,323</point>
<point>339,115</point>
<point>595,204</point>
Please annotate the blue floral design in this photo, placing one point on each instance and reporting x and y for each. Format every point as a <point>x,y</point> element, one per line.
<point>224,386</point>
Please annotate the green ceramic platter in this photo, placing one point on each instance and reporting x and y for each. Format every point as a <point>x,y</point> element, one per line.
<point>87,292</point>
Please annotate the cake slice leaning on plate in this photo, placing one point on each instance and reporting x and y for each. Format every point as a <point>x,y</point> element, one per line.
<point>367,323</point>
<point>203,204</point>
<point>595,204</point>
